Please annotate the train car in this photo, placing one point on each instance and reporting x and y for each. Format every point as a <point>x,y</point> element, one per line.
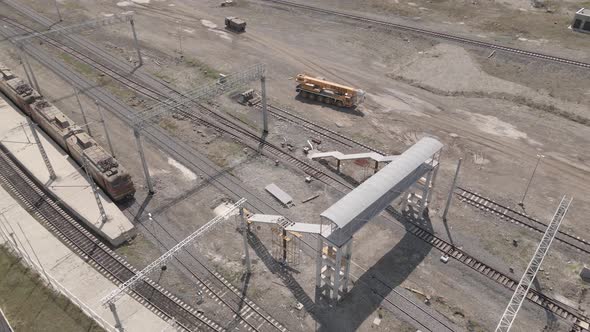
<point>105,169</point>
<point>18,91</point>
<point>54,122</point>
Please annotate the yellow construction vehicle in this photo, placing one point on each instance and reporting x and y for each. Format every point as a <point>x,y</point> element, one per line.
<point>328,92</point>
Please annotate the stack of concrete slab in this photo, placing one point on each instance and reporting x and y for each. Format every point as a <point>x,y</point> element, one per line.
<point>71,185</point>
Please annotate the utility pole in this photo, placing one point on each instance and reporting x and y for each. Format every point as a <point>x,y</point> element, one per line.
<point>103,215</point>
<point>246,229</point>
<point>539,157</point>
<point>264,110</point>
<point>180,38</point>
<point>450,197</point>
<point>136,43</point>
<point>29,70</point>
<point>32,125</point>
<point>146,170</point>
<point>534,265</point>
<point>83,112</point>
<point>58,12</point>
<point>104,125</point>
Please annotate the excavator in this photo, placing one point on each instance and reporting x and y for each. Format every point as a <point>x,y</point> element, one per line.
<point>328,92</point>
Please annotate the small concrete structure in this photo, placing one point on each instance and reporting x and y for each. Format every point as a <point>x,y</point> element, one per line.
<point>71,186</point>
<point>72,272</point>
<point>279,194</point>
<point>581,21</point>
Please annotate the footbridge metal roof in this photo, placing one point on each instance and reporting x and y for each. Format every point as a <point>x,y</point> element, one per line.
<point>366,201</point>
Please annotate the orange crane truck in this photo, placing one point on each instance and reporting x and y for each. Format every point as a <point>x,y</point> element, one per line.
<point>328,92</point>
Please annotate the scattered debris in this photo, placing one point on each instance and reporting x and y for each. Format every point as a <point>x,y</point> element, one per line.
<point>308,179</point>
<point>515,243</point>
<point>444,259</point>
<point>228,3</point>
<point>299,306</point>
<point>492,54</point>
<point>249,97</point>
<point>310,198</point>
<point>426,297</point>
<point>376,321</point>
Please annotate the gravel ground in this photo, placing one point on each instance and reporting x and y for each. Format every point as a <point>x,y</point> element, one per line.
<point>504,109</point>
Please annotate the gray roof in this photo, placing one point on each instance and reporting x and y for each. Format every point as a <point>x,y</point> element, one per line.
<point>375,194</point>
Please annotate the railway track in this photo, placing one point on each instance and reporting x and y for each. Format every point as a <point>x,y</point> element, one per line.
<point>438,35</point>
<point>519,218</point>
<point>285,115</point>
<point>556,307</point>
<point>69,230</point>
<point>559,309</point>
<point>252,139</point>
<point>221,123</point>
<point>247,312</point>
<point>244,311</point>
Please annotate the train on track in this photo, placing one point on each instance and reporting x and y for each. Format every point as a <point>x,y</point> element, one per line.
<point>102,166</point>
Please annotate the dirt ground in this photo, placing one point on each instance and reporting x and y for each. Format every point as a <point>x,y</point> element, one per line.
<point>497,113</point>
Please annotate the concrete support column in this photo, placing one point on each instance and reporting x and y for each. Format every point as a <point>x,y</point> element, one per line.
<point>318,263</point>
<point>146,170</point>
<point>284,234</point>
<point>264,108</point>
<point>348,258</point>
<point>433,180</point>
<point>425,193</point>
<point>336,274</point>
